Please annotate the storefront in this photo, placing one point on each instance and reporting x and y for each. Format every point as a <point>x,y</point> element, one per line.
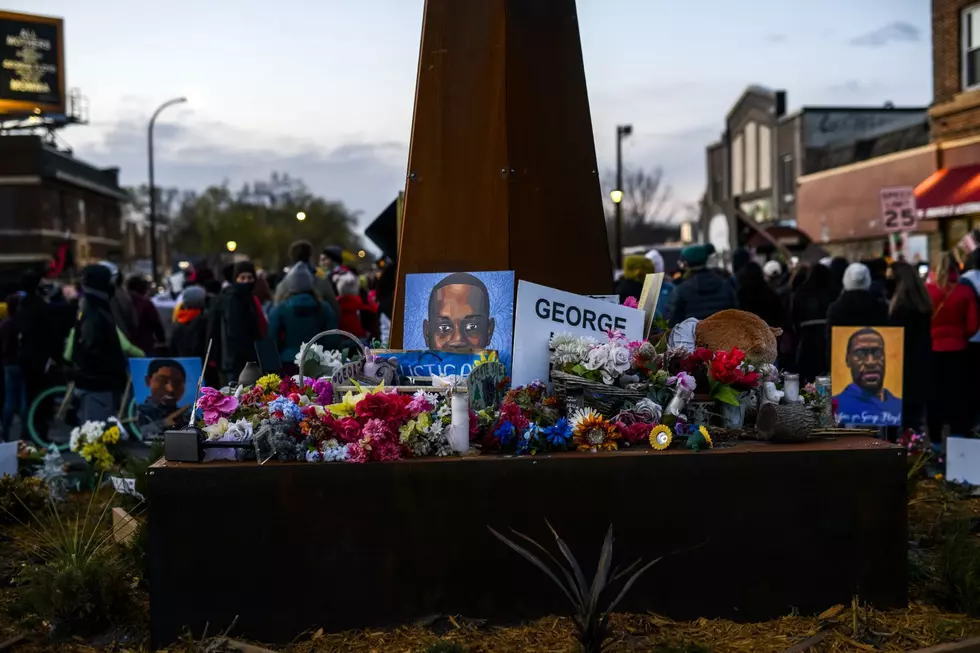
<point>951,196</point>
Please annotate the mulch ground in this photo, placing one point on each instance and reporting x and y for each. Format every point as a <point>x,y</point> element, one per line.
<point>848,628</point>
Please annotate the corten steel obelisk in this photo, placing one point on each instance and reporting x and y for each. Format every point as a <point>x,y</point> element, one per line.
<point>502,170</point>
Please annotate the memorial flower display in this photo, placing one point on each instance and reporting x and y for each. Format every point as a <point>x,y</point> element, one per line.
<point>727,372</point>
<point>97,442</point>
<point>613,361</point>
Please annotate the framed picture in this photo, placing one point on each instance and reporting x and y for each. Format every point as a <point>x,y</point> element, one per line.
<point>460,311</point>
<point>866,374</point>
<point>163,387</point>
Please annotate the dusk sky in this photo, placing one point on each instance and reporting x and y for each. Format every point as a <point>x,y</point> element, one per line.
<point>323,89</point>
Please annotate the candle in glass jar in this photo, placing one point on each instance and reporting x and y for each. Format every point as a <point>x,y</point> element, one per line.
<point>791,388</point>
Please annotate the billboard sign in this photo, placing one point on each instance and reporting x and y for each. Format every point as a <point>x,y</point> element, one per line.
<point>32,65</point>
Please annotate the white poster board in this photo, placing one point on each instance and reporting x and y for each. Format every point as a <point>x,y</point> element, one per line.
<point>542,311</point>
<point>963,460</point>
<point>8,458</point>
<point>898,209</point>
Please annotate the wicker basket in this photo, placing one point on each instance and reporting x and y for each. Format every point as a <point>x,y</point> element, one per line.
<point>575,392</point>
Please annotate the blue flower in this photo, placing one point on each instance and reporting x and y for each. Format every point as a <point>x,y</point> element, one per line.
<point>505,432</point>
<point>288,409</point>
<point>530,439</point>
<point>560,434</point>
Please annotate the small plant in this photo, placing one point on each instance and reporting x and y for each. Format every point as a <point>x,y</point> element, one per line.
<point>591,622</point>
<point>960,567</point>
<point>19,496</point>
<point>81,584</point>
<point>442,646</point>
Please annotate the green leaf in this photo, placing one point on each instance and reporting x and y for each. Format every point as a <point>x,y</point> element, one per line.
<point>724,393</point>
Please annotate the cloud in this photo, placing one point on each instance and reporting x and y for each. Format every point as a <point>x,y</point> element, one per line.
<point>896,32</point>
<point>364,175</point>
<point>775,38</point>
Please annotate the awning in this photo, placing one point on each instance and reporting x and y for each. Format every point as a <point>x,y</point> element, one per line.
<point>948,192</point>
<point>789,237</point>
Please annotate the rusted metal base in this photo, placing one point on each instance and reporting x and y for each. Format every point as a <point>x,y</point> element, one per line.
<point>750,532</point>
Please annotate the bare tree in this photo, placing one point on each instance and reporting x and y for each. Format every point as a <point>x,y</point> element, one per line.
<point>646,197</point>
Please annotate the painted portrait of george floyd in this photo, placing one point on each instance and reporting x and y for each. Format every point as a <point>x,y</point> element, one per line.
<point>460,311</point>
<point>163,389</point>
<point>866,374</point>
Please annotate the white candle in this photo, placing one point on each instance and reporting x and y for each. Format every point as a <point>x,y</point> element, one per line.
<point>791,388</point>
<point>459,429</point>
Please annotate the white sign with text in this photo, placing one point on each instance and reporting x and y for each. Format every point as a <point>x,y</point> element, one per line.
<point>542,311</point>
<point>898,209</point>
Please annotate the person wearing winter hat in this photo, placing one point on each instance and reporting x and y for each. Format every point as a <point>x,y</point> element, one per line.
<point>301,253</point>
<point>120,303</point>
<point>635,271</point>
<point>299,317</point>
<point>352,304</point>
<point>189,338</point>
<point>857,305</point>
<point>235,322</point>
<point>703,292</point>
<point>97,348</point>
<point>666,288</point>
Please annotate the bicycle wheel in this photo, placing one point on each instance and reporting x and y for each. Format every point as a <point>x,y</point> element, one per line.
<point>52,416</point>
<point>132,420</point>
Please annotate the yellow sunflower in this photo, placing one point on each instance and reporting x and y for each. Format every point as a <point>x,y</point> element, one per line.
<point>707,436</point>
<point>593,432</point>
<point>660,437</point>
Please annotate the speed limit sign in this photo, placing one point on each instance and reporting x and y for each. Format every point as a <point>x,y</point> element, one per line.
<point>898,209</point>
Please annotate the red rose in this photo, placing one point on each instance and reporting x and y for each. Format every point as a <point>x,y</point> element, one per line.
<point>388,406</point>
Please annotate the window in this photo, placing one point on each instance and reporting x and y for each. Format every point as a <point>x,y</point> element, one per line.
<point>738,165</point>
<point>787,177</point>
<point>751,158</point>
<point>971,47</point>
<point>765,157</point>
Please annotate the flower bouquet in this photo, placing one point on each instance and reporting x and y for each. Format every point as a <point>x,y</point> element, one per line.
<point>98,443</point>
<point>602,374</point>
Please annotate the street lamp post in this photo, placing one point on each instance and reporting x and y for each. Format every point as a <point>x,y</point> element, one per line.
<point>153,190</point>
<point>622,131</point>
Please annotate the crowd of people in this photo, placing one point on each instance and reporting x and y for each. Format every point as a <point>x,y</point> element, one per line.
<point>85,332</point>
<point>940,314</point>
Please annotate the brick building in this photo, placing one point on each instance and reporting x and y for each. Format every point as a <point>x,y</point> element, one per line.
<point>47,195</point>
<point>950,195</point>
<point>753,171</point>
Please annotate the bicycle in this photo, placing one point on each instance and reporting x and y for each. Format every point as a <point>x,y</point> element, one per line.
<point>60,403</point>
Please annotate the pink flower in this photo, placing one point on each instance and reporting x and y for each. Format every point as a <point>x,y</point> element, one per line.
<point>631,302</point>
<point>615,334</point>
<point>216,405</point>
<point>356,453</point>
<point>419,404</point>
<point>376,430</point>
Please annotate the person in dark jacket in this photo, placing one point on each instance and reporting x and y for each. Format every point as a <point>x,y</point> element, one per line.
<point>857,305</point>
<point>189,338</point>
<point>809,302</point>
<point>14,389</point>
<point>755,295</point>
<point>635,271</point>
<point>120,303</point>
<point>703,292</point>
<point>149,329</point>
<point>911,308</point>
<point>299,317</point>
<point>301,253</point>
<point>234,323</point>
<point>879,278</point>
<point>94,348</point>
<point>838,265</point>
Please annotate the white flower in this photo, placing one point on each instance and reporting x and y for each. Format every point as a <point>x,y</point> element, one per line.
<point>430,397</point>
<point>76,437</point>
<point>240,430</point>
<point>435,427</point>
<point>444,410</point>
<point>328,361</point>
<point>598,357</point>
<point>569,349</point>
<point>218,429</point>
<point>619,358</point>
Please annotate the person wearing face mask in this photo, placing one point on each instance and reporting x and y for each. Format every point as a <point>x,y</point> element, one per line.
<point>235,322</point>
<point>96,349</point>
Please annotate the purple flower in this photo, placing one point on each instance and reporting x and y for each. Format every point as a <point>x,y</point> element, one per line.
<point>684,380</point>
<point>215,405</point>
<point>323,389</point>
<point>615,334</point>
<point>631,302</point>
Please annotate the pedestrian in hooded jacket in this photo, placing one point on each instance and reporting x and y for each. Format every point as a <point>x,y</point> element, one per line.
<point>703,292</point>
<point>858,305</point>
<point>97,348</point>
<point>235,322</point>
<point>299,317</point>
<point>189,336</point>
<point>351,305</point>
<point>954,321</point>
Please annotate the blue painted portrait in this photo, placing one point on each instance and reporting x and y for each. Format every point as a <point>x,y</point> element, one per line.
<point>460,311</point>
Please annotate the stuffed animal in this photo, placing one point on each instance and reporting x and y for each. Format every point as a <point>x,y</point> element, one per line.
<point>734,328</point>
